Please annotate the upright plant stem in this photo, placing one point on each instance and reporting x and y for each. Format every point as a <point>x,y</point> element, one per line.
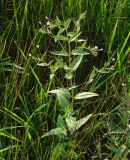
<point>71,81</point>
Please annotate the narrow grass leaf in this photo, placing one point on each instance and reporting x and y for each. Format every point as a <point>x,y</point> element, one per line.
<point>8,148</point>
<point>5,134</point>
<point>112,38</point>
<point>125,43</point>
<point>126,54</point>
<point>14,116</point>
<point>35,112</point>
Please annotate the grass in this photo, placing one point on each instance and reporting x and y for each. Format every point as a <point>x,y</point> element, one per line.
<point>28,111</point>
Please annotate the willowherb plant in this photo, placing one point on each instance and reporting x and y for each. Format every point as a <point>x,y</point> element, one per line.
<point>69,58</point>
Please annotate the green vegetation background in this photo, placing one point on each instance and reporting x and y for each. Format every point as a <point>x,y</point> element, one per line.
<point>24,85</point>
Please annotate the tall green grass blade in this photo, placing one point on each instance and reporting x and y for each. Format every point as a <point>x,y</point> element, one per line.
<point>8,148</point>
<point>112,38</point>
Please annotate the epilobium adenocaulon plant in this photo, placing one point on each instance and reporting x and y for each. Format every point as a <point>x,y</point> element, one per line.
<point>68,58</point>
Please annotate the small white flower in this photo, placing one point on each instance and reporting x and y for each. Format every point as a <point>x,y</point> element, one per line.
<point>123,84</point>
<point>113,59</point>
<point>40,22</point>
<point>48,23</point>
<point>46,17</point>
<point>29,55</point>
<point>96,47</point>
<point>37,46</point>
<point>101,49</point>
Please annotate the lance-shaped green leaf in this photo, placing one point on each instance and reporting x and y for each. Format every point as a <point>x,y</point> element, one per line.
<point>59,150</point>
<point>67,23</point>
<point>58,65</point>
<point>61,31</point>
<point>63,102</point>
<point>74,35</point>
<point>79,52</point>
<point>119,150</point>
<point>69,75</point>
<point>93,51</point>
<point>61,91</point>
<point>76,62</point>
<point>71,123</point>
<point>60,132</point>
<point>62,95</point>
<point>70,154</point>
<point>55,24</point>
<point>60,38</point>
<point>85,95</point>
<point>60,53</point>
<point>82,121</point>
<point>61,122</point>
<point>44,64</point>
<point>44,30</point>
